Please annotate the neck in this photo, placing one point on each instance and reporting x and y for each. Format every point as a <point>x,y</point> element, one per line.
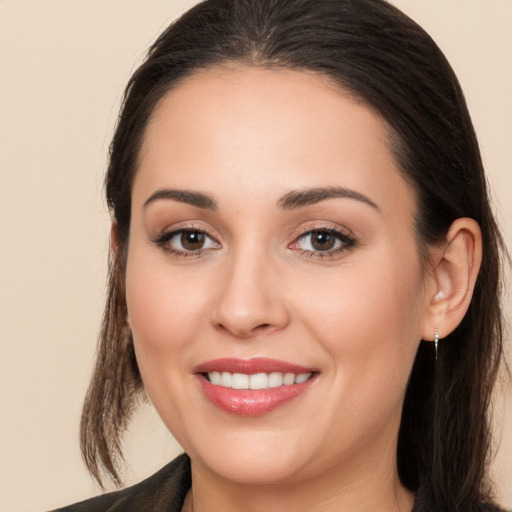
<point>353,487</point>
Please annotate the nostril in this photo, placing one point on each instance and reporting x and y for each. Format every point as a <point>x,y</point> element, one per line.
<point>261,327</point>
<point>221,327</point>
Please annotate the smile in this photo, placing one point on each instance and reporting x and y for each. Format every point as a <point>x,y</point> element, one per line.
<point>256,380</point>
<point>253,387</point>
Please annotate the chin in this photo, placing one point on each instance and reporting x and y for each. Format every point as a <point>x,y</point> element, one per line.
<point>254,470</point>
<point>254,458</point>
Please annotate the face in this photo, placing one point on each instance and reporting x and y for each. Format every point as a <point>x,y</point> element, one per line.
<point>274,287</point>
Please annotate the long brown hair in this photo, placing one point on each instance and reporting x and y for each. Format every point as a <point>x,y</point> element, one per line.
<point>389,63</point>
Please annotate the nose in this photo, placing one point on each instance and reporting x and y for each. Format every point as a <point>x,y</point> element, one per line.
<point>250,300</point>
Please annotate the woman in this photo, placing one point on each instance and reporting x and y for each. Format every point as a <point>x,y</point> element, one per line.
<point>305,267</point>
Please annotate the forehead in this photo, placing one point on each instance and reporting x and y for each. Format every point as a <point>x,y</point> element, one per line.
<point>255,129</point>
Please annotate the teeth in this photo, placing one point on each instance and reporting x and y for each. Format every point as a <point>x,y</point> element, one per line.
<point>256,380</point>
<point>240,381</point>
<point>225,379</point>
<point>215,378</point>
<point>275,380</point>
<point>303,377</point>
<point>289,378</point>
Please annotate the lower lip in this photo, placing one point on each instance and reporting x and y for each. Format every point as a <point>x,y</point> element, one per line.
<point>252,402</point>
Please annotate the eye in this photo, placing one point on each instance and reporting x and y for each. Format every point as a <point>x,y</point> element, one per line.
<point>186,242</point>
<point>323,242</point>
<point>319,241</point>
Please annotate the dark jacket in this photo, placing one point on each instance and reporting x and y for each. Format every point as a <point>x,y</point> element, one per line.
<point>162,492</point>
<point>165,491</point>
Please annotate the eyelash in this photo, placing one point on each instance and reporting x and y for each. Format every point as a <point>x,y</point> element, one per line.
<point>163,240</point>
<point>347,242</point>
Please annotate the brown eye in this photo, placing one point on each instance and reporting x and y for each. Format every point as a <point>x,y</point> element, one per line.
<point>192,240</point>
<point>186,242</point>
<point>322,240</point>
<point>323,243</point>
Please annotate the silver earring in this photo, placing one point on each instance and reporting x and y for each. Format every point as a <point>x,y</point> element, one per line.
<point>436,340</point>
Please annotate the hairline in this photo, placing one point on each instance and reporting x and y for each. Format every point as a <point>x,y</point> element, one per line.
<point>393,139</point>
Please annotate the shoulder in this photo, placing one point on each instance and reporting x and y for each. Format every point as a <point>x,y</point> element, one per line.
<point>163,491</point>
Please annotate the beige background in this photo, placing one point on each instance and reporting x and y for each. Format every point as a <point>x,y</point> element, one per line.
<point>63,64</point>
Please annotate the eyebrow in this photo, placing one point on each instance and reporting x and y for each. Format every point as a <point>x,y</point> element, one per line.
<point>198,199</point>
<point>291,200</point>
<point>309,196</point>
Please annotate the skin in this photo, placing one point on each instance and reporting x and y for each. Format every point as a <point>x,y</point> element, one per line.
<point>246,137</point>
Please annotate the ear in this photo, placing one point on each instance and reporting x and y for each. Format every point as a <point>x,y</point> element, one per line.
<point>455,269</point>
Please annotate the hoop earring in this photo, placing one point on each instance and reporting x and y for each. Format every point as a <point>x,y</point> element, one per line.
<point>436,340</point>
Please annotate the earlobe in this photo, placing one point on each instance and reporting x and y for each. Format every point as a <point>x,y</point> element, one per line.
<point>454,275</point>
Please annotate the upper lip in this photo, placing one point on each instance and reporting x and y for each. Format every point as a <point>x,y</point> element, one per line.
<point>250,366</point>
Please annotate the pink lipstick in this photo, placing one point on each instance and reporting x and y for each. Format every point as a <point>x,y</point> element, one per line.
<point>253,387</point>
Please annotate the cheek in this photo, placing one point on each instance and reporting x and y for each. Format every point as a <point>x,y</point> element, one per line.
<point>166,308</point>
<point>368,315</point>
<point>369,325</point>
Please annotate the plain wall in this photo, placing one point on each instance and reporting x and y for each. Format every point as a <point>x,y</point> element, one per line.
<point>63,66</point>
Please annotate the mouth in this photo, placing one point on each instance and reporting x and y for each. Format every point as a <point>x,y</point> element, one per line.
<point>256,380</point>
<point>253,387</point>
